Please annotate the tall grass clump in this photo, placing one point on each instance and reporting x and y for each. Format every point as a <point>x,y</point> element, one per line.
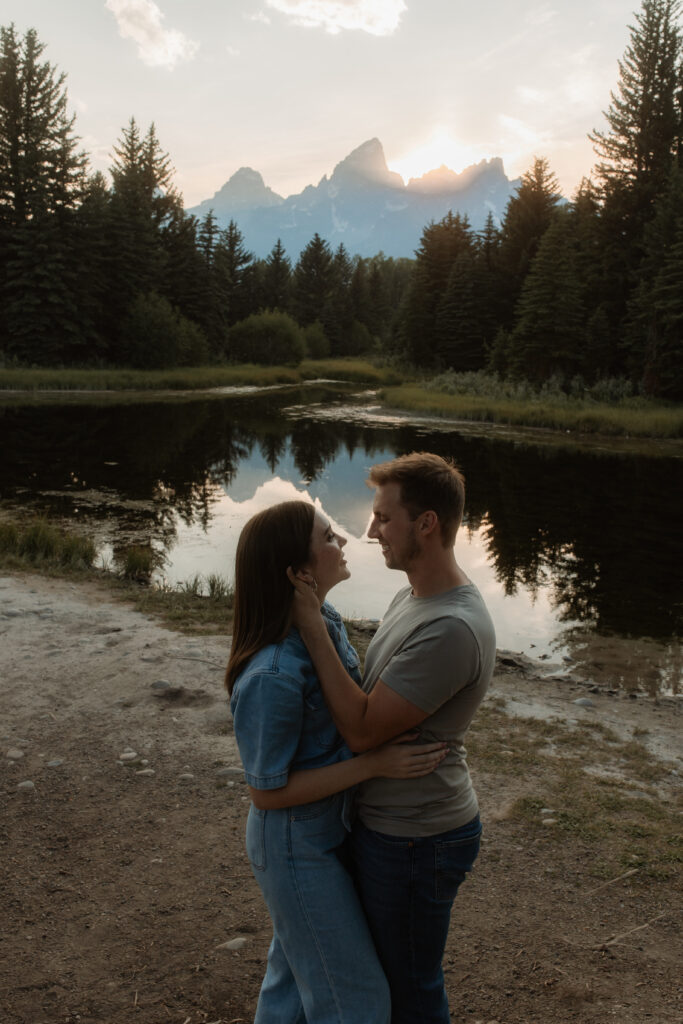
<point>40,543</point>
<point>138,562</point>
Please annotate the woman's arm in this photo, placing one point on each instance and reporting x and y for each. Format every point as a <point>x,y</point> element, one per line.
<point>364,720</point>
<point>398,760</point>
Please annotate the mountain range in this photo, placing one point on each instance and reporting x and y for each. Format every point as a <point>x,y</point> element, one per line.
<point>362,204</point>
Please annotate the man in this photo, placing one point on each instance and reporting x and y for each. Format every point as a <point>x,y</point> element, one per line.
<point>426,672</point>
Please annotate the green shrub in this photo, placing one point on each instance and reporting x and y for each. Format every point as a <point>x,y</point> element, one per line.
<point>316,341</point>
<point>156,335</point>
<point>360,340</point>
<point>269,338</point>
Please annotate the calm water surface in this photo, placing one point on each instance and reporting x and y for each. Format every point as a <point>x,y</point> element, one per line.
<point>577,552</point>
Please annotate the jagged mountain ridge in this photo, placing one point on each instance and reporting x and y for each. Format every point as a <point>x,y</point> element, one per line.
<point>362,204</point>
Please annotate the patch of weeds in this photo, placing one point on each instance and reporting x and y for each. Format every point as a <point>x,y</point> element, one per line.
<point>193,606</point>
<point>138,562</point>
<point>40,544</point>
<point>640,763</point>
<point>602,730</point>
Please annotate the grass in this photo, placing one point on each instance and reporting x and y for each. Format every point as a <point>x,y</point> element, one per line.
<point>194,378</point>
<point>629,418</point>
<point>40,544</point>
<point>601,791</point>
<point>195,606</point>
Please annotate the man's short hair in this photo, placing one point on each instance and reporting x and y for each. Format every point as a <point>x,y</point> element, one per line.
<point>427,482</point>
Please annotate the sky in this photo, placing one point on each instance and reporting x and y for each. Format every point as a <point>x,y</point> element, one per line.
<point>291,87</point>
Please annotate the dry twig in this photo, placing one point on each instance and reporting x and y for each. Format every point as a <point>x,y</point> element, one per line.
<point>617,938</point>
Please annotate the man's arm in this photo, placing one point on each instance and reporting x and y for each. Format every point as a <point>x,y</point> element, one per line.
<point>364,720</point>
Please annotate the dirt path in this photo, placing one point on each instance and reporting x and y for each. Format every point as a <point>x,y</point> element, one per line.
<point>122,860</point>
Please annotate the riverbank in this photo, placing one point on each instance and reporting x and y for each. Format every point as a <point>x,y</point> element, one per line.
<point>397,389</point>
<point>195,378</point>
<point>124,866</point>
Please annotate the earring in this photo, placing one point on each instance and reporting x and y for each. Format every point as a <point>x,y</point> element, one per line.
<point>313,584</point>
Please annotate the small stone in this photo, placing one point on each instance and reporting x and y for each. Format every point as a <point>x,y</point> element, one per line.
<point>549,821</point>
<point>186,777</point>
<point>55,763</point>
<point>229,773</point>
<point>26,787</point>
<point>14,754</point>
<point>584,702</point>
<point>128,757</point>
<point>233,944</point>
<point>160,684</point>
<point>146,771</point>
<point>547,810</point>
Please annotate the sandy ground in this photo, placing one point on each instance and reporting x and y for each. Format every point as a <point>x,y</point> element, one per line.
<point>123,867</point>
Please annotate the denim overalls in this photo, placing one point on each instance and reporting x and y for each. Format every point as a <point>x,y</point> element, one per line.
<point>322,965</point>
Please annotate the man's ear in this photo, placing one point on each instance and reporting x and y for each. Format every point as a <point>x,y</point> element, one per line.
<point>428,522</point>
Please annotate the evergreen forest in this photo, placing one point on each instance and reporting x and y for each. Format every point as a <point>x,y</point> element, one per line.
<point>98,271</point>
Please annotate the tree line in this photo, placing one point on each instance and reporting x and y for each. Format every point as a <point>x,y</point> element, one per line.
<point>114,271</point>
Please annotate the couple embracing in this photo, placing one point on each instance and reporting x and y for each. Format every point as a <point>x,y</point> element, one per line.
<point>363,821</point>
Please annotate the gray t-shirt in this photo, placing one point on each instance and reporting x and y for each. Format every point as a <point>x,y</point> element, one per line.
<point>439,653</point>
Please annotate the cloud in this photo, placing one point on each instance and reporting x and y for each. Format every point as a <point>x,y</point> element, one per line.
<point>260,16</point>
<point>141,21</point>
<point>378,17</point>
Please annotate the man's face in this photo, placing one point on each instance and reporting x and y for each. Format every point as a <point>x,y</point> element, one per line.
<point>394,529</point>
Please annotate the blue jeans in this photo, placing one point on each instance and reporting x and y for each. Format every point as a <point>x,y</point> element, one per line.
<point>322,965</point>
<point>407,887</point>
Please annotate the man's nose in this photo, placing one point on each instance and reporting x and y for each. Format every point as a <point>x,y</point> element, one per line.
<point>372,529</point>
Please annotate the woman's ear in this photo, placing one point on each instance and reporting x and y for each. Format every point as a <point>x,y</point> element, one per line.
<point>307,577</point>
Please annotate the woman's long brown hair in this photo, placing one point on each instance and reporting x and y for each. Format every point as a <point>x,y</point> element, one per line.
<point>271,541</point>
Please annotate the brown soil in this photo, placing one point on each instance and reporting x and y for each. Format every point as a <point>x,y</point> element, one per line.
<point>120,888</point>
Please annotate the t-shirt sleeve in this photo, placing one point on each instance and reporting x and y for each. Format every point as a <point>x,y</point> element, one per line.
<point>434,663</point>
<point>268,720</point>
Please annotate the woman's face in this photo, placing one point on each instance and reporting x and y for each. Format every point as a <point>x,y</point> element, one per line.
<point>327,563</point>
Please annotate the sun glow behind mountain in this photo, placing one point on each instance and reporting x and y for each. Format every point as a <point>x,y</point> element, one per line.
<point>439,149</point>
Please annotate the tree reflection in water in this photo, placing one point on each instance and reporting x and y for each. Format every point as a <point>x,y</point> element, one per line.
<point>596,531</point>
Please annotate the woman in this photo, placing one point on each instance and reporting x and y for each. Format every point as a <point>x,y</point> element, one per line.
<point>322,966</point>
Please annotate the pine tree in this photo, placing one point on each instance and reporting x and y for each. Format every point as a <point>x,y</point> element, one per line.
<point>312,281</point>
<point>440,246</point>
<point>42,183</point>
<point>41,170</point>
<point>645,127</point>
<point>232,261</point>
<point>527,218</point>
<point>462,322</point>
<point>277,278</point>
<point>337,316</point>
<point>642,143</point>
<point>656,309</point>
<point>549,332</point>
<point>144,202</point>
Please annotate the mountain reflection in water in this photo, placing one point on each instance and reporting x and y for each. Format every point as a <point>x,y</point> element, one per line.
<point>569,547</point>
